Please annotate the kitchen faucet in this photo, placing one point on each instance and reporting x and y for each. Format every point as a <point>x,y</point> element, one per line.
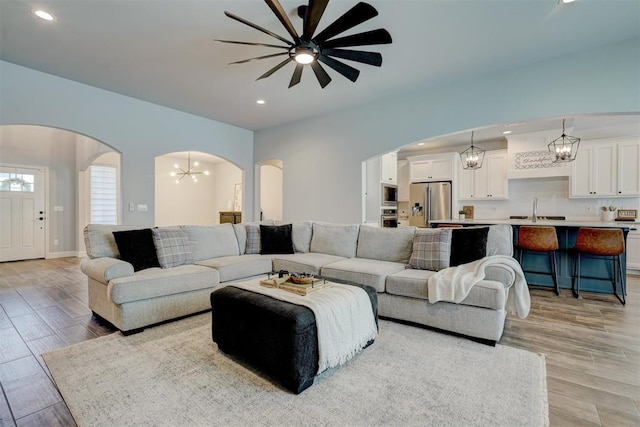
<point>534,218</point>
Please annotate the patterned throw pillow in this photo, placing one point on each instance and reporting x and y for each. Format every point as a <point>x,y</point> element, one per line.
<point>172,246</point>
<point>253,240</point>
<point>431,249</point>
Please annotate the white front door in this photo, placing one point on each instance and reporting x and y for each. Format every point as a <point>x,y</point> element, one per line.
<point>22,213</point>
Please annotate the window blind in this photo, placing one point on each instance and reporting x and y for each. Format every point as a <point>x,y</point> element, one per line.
<point>104,202</point>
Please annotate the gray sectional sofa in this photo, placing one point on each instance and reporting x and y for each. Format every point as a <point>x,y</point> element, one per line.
<point>224,254</point>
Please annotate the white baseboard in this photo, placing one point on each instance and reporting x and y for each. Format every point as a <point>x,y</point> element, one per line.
<point>67,254</point>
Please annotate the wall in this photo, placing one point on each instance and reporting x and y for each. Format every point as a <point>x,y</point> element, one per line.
<point>139,130</point>
<point>187,202</point>
<point>271,192</point>
<point>226,177</point>
<point>336,143</point>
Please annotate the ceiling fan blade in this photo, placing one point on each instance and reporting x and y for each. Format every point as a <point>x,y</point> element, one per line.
<point>371,58</point>
<point>276,7</point>
<point>314,14</point>
<point>321,74</point>
<point>297,74</point>
<point>257,27</point>
<point>346,70</point>
<point>259,57</point>
<point>379,36</point>
<point>358,14</point>
<point>274,69</point>
<point>254,44</point>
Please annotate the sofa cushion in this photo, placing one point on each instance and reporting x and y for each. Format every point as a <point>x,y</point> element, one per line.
<point>468,244</point>
<point>362,271</point>
<point>385,244</point>
<point>300,235</point>
<point>303,263</point>
<point>240,231</point>
<point>158,282</point>
<point>136,247</point>
<point>334,239</point>
<point>172,247</point>
<point>431,249</point>
<point>254,243</point>
<point>276,239</point>
<point>413,284</point>
<point>211,241</point>
<point>239,266</point>
<point>99,241</point>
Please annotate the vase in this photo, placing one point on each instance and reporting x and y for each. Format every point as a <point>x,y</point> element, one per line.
<point>462,217</point>
<point>607,216</point>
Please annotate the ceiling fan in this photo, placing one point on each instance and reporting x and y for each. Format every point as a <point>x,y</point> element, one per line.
<point>309,49</point>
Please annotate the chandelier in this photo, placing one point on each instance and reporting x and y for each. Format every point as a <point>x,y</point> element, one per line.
<point>189,171</point>
<point>472,157</point>
<point>564,148</point>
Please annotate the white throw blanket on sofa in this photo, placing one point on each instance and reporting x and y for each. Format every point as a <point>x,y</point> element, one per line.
<point>453,284</point>
<point>344,319</point>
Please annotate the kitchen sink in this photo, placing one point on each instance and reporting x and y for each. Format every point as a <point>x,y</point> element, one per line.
<point>541,217</point>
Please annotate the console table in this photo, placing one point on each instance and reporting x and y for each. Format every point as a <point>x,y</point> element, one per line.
<point>233,217</point>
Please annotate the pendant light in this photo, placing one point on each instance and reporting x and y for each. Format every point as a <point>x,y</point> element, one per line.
<point>189,171</point>
<point>564,148</point>
<point>472,157</point>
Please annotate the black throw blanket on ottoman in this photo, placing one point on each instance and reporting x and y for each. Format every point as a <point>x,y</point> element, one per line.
<point>277,337</point>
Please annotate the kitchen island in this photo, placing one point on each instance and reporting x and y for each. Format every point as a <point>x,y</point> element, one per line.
<point>596,273</point>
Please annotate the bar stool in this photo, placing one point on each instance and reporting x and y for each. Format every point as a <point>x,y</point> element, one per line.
<point>540,239</point>
<point>602,243</point>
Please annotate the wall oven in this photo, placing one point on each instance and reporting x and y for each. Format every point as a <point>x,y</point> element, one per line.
<point>389,218</point>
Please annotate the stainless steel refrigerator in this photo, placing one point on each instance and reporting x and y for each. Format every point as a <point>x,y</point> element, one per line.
<point>429,201</point>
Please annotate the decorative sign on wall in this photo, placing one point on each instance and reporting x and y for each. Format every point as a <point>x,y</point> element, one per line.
<point>528,160</point>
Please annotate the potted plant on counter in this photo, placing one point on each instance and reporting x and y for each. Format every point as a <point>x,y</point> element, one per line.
<point>607,213</point>
<point>462,214</point>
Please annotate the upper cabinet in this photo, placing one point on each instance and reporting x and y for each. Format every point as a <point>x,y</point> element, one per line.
<point>437,167</point>
<point>389,168</point>
<point>606,169</point>
<point>487,183</point>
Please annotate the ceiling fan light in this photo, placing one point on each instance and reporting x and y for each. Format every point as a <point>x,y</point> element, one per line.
<point>304,55</point>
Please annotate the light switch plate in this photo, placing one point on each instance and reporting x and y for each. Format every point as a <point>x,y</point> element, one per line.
<point>143,208</point>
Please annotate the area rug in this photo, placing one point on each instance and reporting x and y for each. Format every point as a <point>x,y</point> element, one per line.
<point>174,375</point>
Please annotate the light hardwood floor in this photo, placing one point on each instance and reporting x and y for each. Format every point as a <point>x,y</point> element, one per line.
<point>592,346</point>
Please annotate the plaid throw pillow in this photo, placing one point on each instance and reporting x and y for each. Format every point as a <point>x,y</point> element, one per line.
<point>172,246</point>
<point>431,249</point>
<point>253,239</point>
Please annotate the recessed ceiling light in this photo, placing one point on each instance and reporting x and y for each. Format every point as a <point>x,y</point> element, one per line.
<point>506,132</point>
<point>261,101</point>
<point>565,1</point>
<point>420,143</point>
<point>43,14</point>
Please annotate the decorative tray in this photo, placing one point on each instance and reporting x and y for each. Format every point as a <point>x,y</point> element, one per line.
<point>286,283</point>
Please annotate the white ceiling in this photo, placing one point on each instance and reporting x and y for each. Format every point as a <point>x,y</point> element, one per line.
<point>164,51</point>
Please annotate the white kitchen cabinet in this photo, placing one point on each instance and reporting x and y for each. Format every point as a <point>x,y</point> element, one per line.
<point>431,168</point>
<point>487,183</point>
<point>593,173</point>
<point>629,168</point>
<point>633,250</point>
<point>606,169</point>
<point>389,168</point>
<point>403,180</point>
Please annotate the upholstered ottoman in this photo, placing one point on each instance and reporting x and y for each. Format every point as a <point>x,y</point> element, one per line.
<point>277,337</point>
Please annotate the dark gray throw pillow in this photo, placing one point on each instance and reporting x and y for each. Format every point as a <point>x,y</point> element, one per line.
<point>468,245</point>
<point>137,248</point>
<point>276,239</point>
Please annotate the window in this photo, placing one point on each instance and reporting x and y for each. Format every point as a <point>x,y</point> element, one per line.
<point>104,195</point>
<point>17,182</point>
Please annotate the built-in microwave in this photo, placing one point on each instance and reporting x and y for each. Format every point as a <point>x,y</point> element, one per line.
<point>389,194</point>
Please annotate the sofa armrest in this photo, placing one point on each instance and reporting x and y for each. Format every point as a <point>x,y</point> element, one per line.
<point>105,269</point>
<point>501,274</point>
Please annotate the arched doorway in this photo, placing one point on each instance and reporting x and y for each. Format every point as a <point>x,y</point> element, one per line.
<point>195,198</point>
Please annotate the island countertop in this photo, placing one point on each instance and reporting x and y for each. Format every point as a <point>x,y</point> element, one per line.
<point>628,225</point>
